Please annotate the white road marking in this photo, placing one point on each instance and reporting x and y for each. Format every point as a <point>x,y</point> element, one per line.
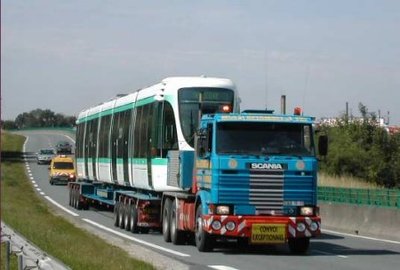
<point>222,267</point>
<point>60,206</point>
<point>136,239</point>
<point>42,193</point>
<point>35,185</point>
<point>362,237</point>
<point>38,189</point>
<point>33,181</point>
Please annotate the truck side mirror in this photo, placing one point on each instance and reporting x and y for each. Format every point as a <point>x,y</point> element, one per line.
<point>323,145</point>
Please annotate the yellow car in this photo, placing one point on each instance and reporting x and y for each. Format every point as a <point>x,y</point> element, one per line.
<point>62,170</point>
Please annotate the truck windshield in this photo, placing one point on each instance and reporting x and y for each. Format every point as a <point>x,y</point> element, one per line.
<point>288,139</point>
<point>208,99</point>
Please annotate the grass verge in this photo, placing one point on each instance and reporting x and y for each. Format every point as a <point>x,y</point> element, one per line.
<point>26,213</point>
<point>344,182</point>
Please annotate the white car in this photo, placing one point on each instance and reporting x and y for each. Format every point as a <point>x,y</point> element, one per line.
<point>44,156</point>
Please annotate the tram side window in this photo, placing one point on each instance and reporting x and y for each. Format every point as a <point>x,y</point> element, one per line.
<point>93,145</point>
<point>105,123</point>
<point>170,139</point>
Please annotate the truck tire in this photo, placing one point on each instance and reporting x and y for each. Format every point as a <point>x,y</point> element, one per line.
<point>203,240</point>
<point>166,222</point>
<point>116,214</point>
<point>127,217</point>
<point>134,219</point>
<point>70,197</point>
<point>78,203</point>
<point>121,215</point>
<point>299,245</point>
<point>177,236</point>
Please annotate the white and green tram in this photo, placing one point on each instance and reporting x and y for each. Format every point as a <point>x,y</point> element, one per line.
<point>125,141</point>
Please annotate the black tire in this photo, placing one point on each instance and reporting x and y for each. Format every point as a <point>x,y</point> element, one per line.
<point>116,214</point>
<point>203,240</point>
<point>134,219</point>
<point>299,245</point>
<point>166,222</point>
<point>78,203</point>
<point>127,217</point>
<point>70,197</point>
<point>121,215</point>
<point>177,236</point>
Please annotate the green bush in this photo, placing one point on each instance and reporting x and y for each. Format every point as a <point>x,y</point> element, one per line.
<point>363,149</point>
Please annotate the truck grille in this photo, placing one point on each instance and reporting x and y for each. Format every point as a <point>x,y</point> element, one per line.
<point>266,191</point>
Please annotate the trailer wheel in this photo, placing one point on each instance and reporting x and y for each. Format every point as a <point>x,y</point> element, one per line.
<point>177,236</point>
<point>116,214</point>
<point>166,220</point>
<point>127,218</point>
<point>203,240</point>
<point>134,218</point>
<point>70,197</point>
<point>121,215</point>
<point>78,203</point>
<point>299,245</point>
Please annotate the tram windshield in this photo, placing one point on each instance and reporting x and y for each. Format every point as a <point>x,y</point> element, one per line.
<point>208,99</point>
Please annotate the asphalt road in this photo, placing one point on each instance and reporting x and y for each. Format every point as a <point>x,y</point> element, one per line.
<point>333,250</point>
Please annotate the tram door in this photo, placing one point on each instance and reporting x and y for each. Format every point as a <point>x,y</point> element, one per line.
<point>86,149</point>
<point>126,123</point>
<point>92,147</point>
<point>120,146</point>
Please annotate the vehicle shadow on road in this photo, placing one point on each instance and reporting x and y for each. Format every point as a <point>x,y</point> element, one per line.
<point>324,248</point>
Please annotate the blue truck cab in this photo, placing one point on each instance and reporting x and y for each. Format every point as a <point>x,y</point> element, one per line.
<point>256,177</point>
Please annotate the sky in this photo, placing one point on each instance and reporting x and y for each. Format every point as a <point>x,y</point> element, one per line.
<point>70,55</point>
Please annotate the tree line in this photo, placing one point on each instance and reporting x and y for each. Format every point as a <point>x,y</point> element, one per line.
<point>363,149</point>
<point>39,119</point>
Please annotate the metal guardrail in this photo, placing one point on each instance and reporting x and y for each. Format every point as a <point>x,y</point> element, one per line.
<point>28,255</point>
<point>389,198</point>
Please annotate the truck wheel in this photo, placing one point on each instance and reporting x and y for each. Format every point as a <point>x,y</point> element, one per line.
<point>299,245</point>
<point>202,238</point>
<point>134,218</point>
<point>177,236</point>
<point>116,214</point>
<point>166,220</point>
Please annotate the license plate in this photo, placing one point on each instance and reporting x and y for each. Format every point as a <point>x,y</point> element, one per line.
<point>268,233</point>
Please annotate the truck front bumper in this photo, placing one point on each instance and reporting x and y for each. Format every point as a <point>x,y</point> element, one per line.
<point>262,229</point>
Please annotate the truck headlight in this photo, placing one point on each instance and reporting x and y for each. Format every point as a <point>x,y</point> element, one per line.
<point>222,210</point>
<point>306,211</point>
